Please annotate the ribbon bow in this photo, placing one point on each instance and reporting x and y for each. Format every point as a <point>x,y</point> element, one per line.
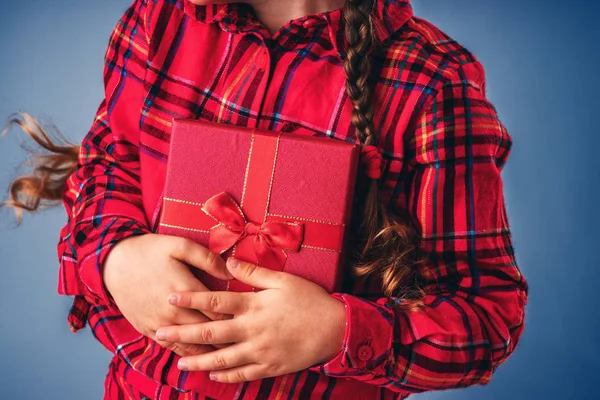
<point>272,238</point>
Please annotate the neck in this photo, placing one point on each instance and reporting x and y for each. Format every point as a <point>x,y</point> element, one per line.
<point>276,13</point>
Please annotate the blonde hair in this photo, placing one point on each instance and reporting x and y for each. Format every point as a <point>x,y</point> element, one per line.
<point>44,187</point>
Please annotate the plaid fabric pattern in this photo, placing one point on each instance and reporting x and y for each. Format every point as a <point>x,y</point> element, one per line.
<point>443,145</point>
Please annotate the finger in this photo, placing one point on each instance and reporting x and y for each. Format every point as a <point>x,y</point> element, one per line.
<point>199,287</point>
<point>214,332</point>
<point>233,303</point>
<point>187,349</point>
<point>245,373</point>
<point>256,276</point>
<point>198,256</point>
<point>171,346</point>
<point>183,316</point>
<point>228,357</point>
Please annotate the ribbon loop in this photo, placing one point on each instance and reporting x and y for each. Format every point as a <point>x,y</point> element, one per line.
<point>272,238</point>
<point>226,211</point>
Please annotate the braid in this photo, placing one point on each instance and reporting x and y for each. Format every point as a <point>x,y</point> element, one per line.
<point>357,66</point>
<point>388,247</point>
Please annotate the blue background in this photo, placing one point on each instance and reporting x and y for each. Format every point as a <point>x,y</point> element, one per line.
<point>541,59</point>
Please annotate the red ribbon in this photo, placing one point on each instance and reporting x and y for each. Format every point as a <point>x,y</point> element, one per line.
<point>371,161</point>
<point>272,238</point>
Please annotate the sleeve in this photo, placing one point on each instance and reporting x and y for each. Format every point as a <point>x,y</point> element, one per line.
<point>475,294</point>
<point>103,196</point>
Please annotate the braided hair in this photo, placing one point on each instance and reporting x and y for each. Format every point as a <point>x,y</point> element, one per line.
<point>388,245</point>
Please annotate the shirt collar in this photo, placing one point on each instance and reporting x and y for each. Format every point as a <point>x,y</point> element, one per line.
<point>389,16</point>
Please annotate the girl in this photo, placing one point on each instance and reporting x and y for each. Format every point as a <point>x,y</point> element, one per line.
<point>436,301</point>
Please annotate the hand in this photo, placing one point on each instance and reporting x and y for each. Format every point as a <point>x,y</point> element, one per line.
<point>291,314</point>
<point>139,273</point>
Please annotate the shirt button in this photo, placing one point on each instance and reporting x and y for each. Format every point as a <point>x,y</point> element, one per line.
<point>365,353</point>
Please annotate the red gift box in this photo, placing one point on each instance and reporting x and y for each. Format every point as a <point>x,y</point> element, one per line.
<point>281,201</point>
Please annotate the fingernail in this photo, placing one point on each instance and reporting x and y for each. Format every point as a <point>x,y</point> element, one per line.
<point>233,263</point>
<point>229,274</point>
<point>173,299</point>
<point>212,376</point>
<point>161,335</point>
<point>182,365</point>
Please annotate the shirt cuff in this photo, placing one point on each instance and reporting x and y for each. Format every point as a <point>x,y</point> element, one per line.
<point>367,342</point>
<point>91,267</point>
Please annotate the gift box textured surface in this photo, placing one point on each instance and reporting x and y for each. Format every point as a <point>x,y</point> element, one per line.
<point>282,201</point>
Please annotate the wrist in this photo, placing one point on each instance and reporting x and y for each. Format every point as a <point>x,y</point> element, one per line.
<point>114,258</point>
<point>338,329</point>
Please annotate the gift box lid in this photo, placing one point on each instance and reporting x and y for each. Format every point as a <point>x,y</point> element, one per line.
<point>311,177</point>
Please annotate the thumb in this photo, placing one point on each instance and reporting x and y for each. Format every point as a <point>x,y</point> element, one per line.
<point>200,257</point>
<point>254,275</point>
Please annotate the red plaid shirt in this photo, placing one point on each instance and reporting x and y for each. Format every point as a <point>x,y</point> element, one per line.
<point>443,146</point>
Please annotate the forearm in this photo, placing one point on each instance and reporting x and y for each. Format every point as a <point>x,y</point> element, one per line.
<point>454,342</point>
